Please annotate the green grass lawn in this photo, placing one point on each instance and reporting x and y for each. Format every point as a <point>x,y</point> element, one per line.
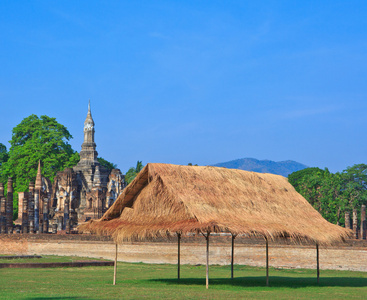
<point>148,281</point>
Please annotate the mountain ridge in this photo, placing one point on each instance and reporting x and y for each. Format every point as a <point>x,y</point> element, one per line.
<point>283,168</point>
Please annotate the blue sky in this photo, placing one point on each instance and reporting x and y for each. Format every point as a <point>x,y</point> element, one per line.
<point>192,81</point>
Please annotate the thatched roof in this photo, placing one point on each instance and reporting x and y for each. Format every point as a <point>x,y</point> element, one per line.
<point>165,199</point>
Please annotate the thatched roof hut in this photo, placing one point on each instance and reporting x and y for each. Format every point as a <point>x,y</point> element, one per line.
<point>165,199</point>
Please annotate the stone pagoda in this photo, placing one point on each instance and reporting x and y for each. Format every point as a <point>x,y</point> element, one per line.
<point>88,189</point>
<point>77,194</point>
<point>89,169</point>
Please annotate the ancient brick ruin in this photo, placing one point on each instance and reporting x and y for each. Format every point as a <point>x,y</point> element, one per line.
<point>359,230</point>
<point>84,192</point>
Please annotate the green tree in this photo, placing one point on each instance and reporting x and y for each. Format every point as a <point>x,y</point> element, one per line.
<point>3,159</point>
<point>322,189</point>
<point>297,178</point>
<point>332,194</point>
<point>307,182</point>
<point>108,165</point>
<point>132,172</point>
<point>3,154</point>
<point>354,189</point>
<point>37,138</point>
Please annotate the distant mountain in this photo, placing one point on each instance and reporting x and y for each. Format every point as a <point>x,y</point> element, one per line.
<point>283,168</point>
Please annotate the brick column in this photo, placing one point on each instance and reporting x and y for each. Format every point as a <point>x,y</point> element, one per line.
<point>363,222</point>
<point>347,220</point>
<point>355,223</point>
<point>3,215</point>
<point>36,211</point>
<point>2,209</point>
<point>45,215</point>
<point>66,212</point>
<point>20,205</point>
<point>9,206</point>
<point>25,213</point>
<point>67,226</point>
<point>54,228</point>
<point>31,208</point>
<point>60,222</point>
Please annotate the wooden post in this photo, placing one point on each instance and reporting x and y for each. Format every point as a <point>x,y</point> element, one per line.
<point>178,255</point>
<point>267,262</point>
<point>318,263</point>
<point>115,268</point>
<point>232,257</point>
<point>207,258</point>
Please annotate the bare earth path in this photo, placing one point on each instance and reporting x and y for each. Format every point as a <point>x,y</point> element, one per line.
<point>352,257</point>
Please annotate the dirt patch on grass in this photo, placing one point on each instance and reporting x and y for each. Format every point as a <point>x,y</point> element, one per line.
<point>76,264</point>
<point>9,245</point>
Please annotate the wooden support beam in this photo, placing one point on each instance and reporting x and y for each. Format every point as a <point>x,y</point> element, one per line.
<point>232,255</point>
<point>115,268</point>
<point>267,261</point>
<point>207,257</point>
<point>178,255</point>
<point>318,263</point>
<point>207,260</point>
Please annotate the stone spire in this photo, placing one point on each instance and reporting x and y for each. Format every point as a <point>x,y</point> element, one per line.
<point>89,127</point>
<point>89,119</point>
<point>88,155</point>
<point>38,185</point>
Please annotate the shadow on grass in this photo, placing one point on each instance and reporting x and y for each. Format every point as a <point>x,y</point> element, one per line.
<point>274,281</point>
<point>54,298</point>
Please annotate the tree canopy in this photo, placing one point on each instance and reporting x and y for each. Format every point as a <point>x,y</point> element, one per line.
<point>333,194</point>
<point>3,159</point>
<point>3,154</point>
<point>133,171</point>
<point>36,139</point>
<point>108,165</point>
<point>33,139</point>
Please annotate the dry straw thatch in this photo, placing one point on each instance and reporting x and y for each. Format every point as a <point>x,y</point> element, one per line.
<point>165,199</point>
